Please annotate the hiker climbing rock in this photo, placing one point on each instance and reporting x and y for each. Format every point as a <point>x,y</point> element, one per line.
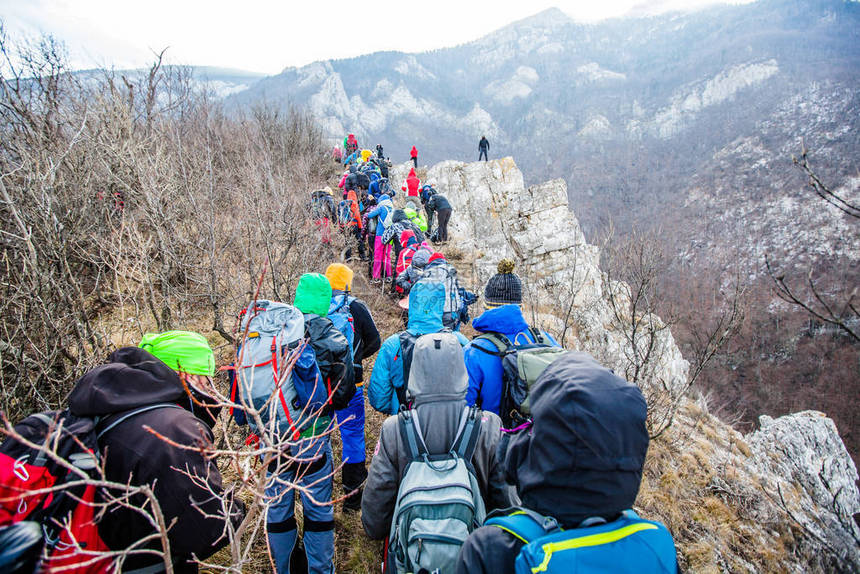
<point>413,155</point>
<point>379,151</point>
<point>438,205</point>
<point>412,183</point>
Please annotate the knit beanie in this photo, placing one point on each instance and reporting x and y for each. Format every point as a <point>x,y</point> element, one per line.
<point>505,287</point>
<point>181,351</point>
<point>340,276</point>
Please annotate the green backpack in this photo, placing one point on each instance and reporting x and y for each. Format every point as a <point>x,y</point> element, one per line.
<point>522,365</point>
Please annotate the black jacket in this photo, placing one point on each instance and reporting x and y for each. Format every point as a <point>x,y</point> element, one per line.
<point>367,340</point>
<point>583,457</point>
<point>133,378</point>
<point>437,202</point>
<point>483,145</point>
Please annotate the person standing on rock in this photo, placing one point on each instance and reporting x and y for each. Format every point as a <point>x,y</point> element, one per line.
<point>483,148</point>
<point>379,151</point>
<point>412,183</point>
<point>414,156</point>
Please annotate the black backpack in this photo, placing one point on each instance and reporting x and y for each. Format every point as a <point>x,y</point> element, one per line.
<point>334,358</point>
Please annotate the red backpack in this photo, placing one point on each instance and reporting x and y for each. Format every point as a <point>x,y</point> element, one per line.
<point>66,514</point>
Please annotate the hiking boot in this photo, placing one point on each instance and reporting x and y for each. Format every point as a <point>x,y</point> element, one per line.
<point>376,281</point>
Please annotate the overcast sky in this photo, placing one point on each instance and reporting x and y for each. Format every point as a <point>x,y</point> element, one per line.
<point>267,36</point>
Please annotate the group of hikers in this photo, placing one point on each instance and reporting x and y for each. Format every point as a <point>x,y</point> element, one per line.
<point>501,454</point>
<point>384,235</point>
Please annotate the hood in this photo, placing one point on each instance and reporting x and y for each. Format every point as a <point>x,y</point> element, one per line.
<point>584,454</point>
<point>437,258</point>
<point>399,215</point>
<point>438,371</point>
<point>405,236</point>
<point>507,319</point>
<point>421,258</point>
<point>131,378</point>
<point>313,294</point>
<point>426,305</point>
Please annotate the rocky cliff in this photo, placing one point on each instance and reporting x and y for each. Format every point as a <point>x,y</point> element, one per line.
<point>781,499</point>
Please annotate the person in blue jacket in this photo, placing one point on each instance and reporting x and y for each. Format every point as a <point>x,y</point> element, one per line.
<point>387,389</point>
<point>503,296</point>
<point>383,212</point>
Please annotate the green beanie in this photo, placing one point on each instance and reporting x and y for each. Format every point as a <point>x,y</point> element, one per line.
<point>313,294</point>
<point>181,351</point>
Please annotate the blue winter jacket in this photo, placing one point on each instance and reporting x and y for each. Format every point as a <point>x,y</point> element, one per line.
<point>425,316</point>
<point>381,213</point>
<point>485,370</point>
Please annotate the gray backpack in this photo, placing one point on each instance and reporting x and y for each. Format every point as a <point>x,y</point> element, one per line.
<point>439,501</point>
<point>275,330</point>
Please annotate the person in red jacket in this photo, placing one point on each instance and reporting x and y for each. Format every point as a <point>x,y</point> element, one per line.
<point>412,182</point>
<point>414,155</point>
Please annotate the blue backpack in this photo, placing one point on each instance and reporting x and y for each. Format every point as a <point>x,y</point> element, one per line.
<point>339,314</point>
<point>629,544</point>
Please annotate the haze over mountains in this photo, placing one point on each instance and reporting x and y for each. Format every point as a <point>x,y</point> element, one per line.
<point>635,113</point>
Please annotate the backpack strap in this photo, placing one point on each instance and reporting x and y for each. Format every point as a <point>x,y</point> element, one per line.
<point>133,413</point>
<point>501,342</point>
<point>524,524</point>
<point>410,431</point>
<point>467,438</point>
<point>537,336</point>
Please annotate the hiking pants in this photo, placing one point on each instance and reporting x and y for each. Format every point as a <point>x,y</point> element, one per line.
<point>315,475</point>
<point>351,423</point>
<point>444,216</point>
<point>381,258</point>
<point>356,232</point>
<point>482,154</point>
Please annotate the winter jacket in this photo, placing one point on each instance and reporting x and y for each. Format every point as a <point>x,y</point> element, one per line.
<point>437,202</point>
<point>412,183</point>
<point>355,214</point>
<point>413,152</point>
<point>332,350</point>
<point>383,213</point>
<point>437,384</point>
<point>343,180</point>
<point>485,370</point>
<point>407,252</point>
<point>400,222</point>
<point>425,316</point>
<point>415,271</point>
<point>416,218</point>
<point>582,458</point>
<point>133,378</point>
<point>366,340</point>
<point>483,145</point>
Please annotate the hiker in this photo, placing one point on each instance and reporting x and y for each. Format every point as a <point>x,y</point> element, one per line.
<point>414,216</point>
<point>383,213</point>
<point>311,467</point>
<point>351,144</point>
<point>438,204</point>
<point>503,297</point>
<point>438,423</point>
<point>379,151</point>
<point>353,319</point>
<point>412,183</point>
<point>415,270</point>
<point>578,468</point>
<point>483,148</point>
<point>143,387</point>
<point>408,245</point>
<point>349,218</point>
<point>323,212</point>
<point>387,389</point>
<point>400,223</point>
<point>413,155</point>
